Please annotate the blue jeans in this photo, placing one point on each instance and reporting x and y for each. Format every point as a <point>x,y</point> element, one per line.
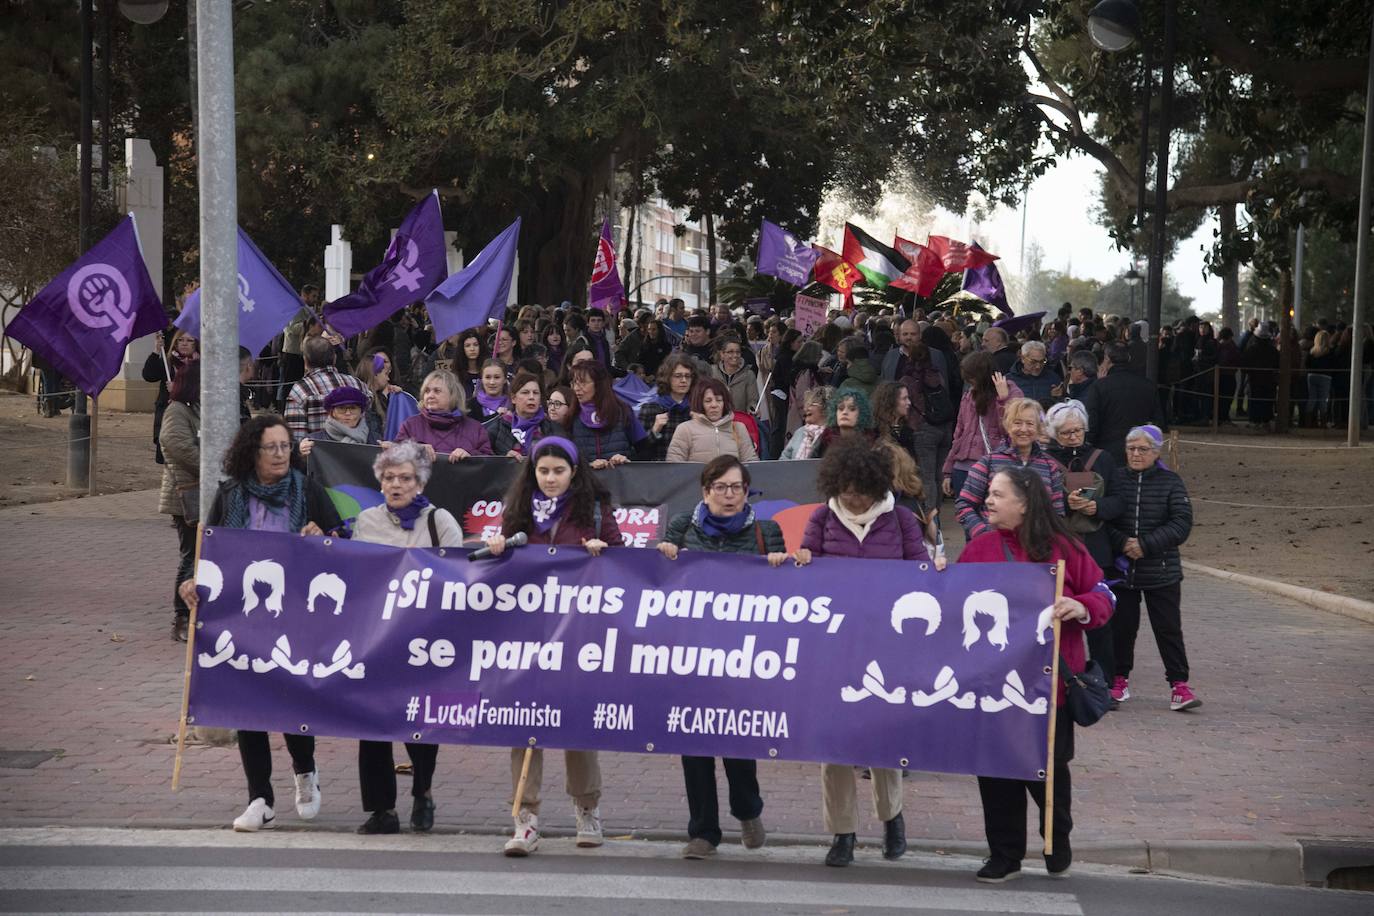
<point>1318,392</point>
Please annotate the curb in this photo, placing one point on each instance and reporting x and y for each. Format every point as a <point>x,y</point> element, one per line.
<point>1300,862</point>
<point>1335,604</point>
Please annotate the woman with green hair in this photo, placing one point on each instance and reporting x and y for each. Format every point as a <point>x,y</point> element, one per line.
<point>849,413</point>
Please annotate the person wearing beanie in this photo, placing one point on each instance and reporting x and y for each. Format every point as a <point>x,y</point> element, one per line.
<point>343,421</point>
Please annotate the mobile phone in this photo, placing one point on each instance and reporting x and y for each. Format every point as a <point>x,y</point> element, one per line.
<point>1088,493</point>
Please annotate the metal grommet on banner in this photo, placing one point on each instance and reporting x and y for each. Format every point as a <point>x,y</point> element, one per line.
<point>553,551</point>
<point>328,541</point>
<point>1053,570</point>
<point>305,729</point>
<point>533,741</point>
<point>649,747</point>
<point>1047,669</point>
<point>415,736</point>
<point>443,552</point>
<point>1040,773</point>
<point>200,624</point>
<point>190,719</point>
<point>904,763</point>
<point>923,567</point>
<point>209,531</point>
<point>772,752</point>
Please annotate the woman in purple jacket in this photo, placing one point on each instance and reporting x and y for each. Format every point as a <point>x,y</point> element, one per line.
<point>441,425</point>
<point>860,519</point>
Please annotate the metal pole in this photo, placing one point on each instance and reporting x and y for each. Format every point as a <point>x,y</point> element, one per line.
<point>1154,304</point>
<point>106,51</point>
<point>1145,85</point>
<point>1297,262</point>
<point>1352,428</point>
<point>219,316</point>
<point>79,427</point>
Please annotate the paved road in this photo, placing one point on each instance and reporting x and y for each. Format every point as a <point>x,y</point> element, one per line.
<point>199,871</point>
<point>1280,749</point>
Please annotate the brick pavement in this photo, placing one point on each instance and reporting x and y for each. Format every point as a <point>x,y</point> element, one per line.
<point>1279,750</point>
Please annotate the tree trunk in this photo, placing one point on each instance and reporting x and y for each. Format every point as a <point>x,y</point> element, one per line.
<point>629,248</point>
<point>1282,407</point>
<point>711,251</point>
<point>1230,279</point>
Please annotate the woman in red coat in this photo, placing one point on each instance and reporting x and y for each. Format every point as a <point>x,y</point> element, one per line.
<point>1027,529</point>
<point>557,500</point>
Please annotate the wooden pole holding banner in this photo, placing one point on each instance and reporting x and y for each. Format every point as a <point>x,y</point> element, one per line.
<point>186,678</point>
<point>520,784</point>
<point>1174,463</point>
<point>95,426</point>
<point>1048,813</point>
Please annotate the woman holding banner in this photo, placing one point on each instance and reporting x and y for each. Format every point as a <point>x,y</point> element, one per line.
<point>1026,528</point>
<point>713,429</point>
<point>860,519</point>
<point>660,417</point>
<point>723,522</point>
<point>557,501</point>
<point>441,426</point>
<point>344,421</point>
<point>264,493</point>
<point>514,432</point>
<point>406,519</point>
<point>604,429</point>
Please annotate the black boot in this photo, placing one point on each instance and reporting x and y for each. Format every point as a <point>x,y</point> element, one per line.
<point>381,822</point>
<point>841,851</point>
<point>894,838</point>
<point>422,814</point>
<point>180,625</point>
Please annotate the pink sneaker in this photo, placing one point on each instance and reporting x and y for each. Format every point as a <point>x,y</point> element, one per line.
<point>1183,697</point>
<point>1120,690</point>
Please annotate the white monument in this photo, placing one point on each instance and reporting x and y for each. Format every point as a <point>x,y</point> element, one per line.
<point>143,197</point>
<point>338,265</point>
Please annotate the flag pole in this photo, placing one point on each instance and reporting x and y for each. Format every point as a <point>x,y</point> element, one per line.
<point>1048,813</point>
<point>190,657</point>
<point>95,425</point>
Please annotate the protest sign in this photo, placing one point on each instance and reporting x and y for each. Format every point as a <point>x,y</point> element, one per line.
<point>645,495</point>
<point>869,662</point>
<point>809,314</point>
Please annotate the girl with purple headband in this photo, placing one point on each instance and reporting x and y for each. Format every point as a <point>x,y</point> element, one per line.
<point>556,501</point>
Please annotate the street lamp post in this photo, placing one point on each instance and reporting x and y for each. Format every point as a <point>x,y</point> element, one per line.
<point>1114,25</point>
<point>1132,281</point>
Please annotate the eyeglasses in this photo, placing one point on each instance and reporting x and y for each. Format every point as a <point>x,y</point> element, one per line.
<point>1140,449</point>
<point>1071,431</point>
<point>402,479</point>
<point>723,489</point>
<point>553,403</point>
<point>683,376</point>
<point>275,448</point>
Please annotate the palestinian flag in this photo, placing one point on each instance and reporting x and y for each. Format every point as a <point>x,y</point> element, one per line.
<point>836,272</point>
<point>879,264</point>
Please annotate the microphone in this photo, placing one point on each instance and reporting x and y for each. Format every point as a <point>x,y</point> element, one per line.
<point>515,540</point>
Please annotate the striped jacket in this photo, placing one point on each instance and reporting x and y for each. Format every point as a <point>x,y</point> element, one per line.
<point>305,411</point>
<point>970,500</point>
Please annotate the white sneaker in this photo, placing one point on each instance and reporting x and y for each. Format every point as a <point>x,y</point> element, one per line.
<point>526,839</point>
<point>257,816</point>
<point>588,827</point>
<point>308,794</point>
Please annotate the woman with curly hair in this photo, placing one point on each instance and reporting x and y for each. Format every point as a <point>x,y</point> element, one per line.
<point>860,519</point>
<point>803,442</point>
<point>848,415</point>
<point>264,492</point>
<point>660,417</point>
<point>557,501</point>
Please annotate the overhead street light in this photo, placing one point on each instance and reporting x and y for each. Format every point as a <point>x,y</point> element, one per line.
<point>144,12</point>
<point>1114,25</point>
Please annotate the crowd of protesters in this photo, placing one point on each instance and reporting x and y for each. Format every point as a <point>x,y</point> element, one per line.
<point>1046,442</point>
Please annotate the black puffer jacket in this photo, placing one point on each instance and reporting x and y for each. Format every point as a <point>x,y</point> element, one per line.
<point>1117,402</point>
<point>1160,515</point>
<point>687,535</point>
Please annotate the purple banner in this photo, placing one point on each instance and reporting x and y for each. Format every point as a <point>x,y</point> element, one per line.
<point>869,662</point>
<point>783,255</point>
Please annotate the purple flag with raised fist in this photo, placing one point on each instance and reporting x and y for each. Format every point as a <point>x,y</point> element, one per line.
<point>606,291</point>
<point>986,283</point>
<point>415,262</point>
<point>709,654</point>
<point>267,303</point>
<point>479,291</point>
<point>783,255</point>
<point>82,321</point>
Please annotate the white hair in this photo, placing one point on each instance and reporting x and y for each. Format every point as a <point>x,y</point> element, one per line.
<point>1066,410</point>
<point>412,453</point>
<point>1031,346</point>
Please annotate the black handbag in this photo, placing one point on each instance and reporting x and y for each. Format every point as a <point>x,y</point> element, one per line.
<point>1089,698</point>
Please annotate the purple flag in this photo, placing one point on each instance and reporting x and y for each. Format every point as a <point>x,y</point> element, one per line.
<point>1015,324</point>
<point>415,262</point>
<point>606,291</point>
<point>948,672</point>
<point>783,255</point>
<point>82,321</point>
<point>986,283</point>
<point>633,391</point>
<point>479,291</point>
<point>267,303</point>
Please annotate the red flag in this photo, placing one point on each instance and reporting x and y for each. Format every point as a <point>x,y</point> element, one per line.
<point>957,255</point>
<point>925,271</point>
<point>837,273</point>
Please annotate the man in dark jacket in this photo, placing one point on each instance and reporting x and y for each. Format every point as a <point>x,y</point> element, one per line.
<point>1117,402</point>
<point>1033,375</point>
<point>996,342</point>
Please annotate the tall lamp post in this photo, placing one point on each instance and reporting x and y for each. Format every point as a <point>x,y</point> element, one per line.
<point>1132,280</point>
<point>1114,25</point>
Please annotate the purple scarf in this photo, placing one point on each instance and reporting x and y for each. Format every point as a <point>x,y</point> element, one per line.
<point>520,427</point>
<point>442,419</point>
<point>590,418</point>
<point>545,511</point>
<point>408,514</point>
<point>491,403</point>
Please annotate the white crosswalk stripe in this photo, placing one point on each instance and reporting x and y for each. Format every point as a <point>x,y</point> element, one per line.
<point>461,883</point>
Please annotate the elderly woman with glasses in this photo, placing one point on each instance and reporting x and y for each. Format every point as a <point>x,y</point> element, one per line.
<point>264,492</point>
<point>405,519</point>
<point>723,522</point>
<point>1024,423</point>
<point>1157,519</point>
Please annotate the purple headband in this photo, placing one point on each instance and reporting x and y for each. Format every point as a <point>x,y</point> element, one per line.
<point>1149,431</point>
<point>559,441</point>
<point>378,363</point>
